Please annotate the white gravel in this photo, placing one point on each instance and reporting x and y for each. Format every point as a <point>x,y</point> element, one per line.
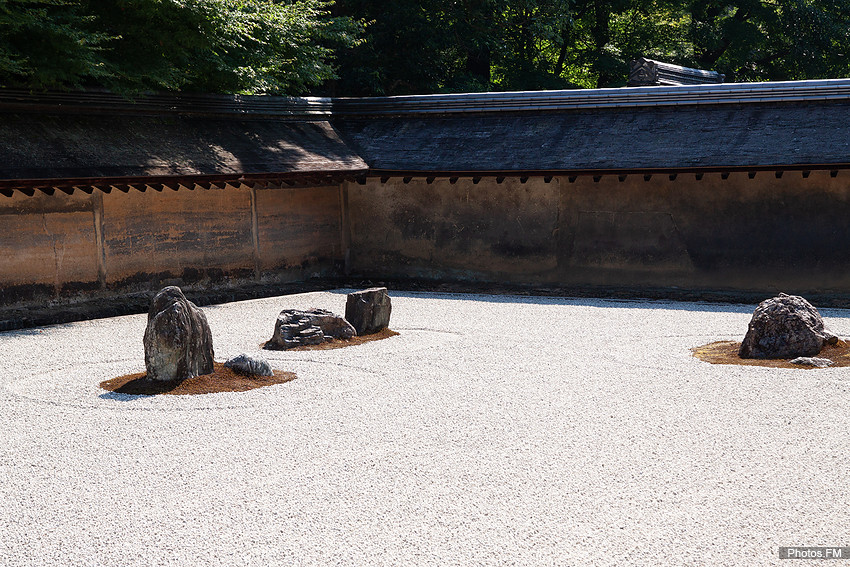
<point>494,430</point>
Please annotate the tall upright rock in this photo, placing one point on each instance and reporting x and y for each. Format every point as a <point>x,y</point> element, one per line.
<point>178,341</point>
<point>368,310</point>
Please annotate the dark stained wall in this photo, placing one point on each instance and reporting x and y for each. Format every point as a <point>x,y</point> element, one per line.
<point>298,228</point>
<point>61,246</point>
<point>180,233</point>
<point>743,232</point>
<point>739,233</point>
<point>487,230</point>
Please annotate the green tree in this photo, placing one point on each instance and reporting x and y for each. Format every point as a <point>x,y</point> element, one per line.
<point>247,46</point>
<point>752,40</point>
<point>49,44</point>
<point>405,49</point>
<point>421,46</point>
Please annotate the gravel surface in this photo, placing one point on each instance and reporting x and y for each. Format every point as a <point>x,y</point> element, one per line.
<point>494,430</point>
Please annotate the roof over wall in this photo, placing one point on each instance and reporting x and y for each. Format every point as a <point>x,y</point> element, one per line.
<point>99,136</point>
<point>731,126</point>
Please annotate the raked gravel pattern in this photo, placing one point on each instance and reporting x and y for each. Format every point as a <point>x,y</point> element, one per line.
<point>494,430</point>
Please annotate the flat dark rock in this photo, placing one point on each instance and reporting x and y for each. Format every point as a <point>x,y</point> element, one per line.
<point>295,327</point>
<point>248,365</point>
<point>812,361</point>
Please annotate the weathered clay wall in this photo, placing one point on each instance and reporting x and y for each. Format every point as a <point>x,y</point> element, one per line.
<point>63,245</point>
<point>492,231</point>
<point>733,232</point>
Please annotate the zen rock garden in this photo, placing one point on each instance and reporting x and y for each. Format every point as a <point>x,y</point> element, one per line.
<point>178,344</point>
<point>785,328</point>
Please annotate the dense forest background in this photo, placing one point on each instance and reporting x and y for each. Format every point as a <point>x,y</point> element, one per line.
<point>389,47</point>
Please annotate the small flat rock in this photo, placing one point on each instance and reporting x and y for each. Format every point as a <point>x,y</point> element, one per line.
<point>812,361</point>
<point>249,365</point>
<point>368,310</point>
<point>295,327</point>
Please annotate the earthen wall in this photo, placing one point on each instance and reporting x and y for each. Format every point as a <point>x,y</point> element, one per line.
<point>739,231</point>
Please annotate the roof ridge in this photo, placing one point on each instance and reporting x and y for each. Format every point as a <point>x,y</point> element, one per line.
<point>515,101</point>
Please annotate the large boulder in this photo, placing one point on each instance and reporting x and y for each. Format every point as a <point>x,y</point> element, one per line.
<point>785,326</point>
<point>295,327</point>
<point>368,310</point>
<point>178,341</point>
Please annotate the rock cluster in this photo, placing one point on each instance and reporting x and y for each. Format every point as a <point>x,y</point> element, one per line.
<point>178,342</point>
<point>368,310</point>
<point>786,326</point>
<point>295,327</point>
<point>249,365</point>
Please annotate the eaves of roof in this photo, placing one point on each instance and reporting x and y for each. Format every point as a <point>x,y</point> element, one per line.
<point>99,139</point>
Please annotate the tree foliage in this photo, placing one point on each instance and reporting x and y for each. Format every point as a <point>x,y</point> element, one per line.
<point>452,45</point>
<point>382,47</point>
<point>251,46</point>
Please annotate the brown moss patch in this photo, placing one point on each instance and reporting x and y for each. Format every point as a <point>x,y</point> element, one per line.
<point>726,352</point>
<point>338,343</point>
<point>221,380</point>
